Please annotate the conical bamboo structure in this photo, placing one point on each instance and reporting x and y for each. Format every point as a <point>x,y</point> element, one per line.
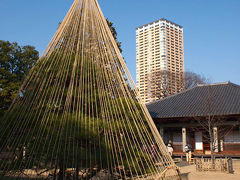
<point>78,114</point>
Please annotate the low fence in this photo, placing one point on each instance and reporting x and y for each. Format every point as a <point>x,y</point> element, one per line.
<point>207,164</point>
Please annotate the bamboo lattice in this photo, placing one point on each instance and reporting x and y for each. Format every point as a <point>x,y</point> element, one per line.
<point>78,114</point>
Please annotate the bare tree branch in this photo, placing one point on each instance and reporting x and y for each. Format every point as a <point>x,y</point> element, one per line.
<point>192,79</point>
<point>161,82</point>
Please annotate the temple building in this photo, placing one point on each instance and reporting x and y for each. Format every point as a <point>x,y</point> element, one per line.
<point>187,117</point>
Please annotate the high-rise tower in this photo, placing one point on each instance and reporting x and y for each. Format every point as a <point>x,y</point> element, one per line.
<point>160,59</point>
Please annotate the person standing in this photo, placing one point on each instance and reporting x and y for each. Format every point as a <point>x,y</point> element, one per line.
<point>188,150</point>
<point>170,149</point>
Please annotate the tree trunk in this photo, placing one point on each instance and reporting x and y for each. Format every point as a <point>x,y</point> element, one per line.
<point>77,172</point>
<point>55,173</point>
<point>210,129</point>
<point>61,172</point>
<point>212,151</point>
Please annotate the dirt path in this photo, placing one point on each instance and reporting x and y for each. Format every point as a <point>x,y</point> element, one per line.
<point>190,173</point>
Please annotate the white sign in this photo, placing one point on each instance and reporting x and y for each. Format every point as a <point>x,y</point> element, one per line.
<point>198,141</point>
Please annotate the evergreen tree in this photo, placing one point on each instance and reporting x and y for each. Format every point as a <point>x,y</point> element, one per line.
<point>15,63</point>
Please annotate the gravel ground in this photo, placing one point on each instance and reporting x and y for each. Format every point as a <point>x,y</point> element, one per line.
<point>189,173</point>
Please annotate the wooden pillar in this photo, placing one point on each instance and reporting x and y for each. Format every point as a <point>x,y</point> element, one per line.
<point>184,138</point>
<point>221,144</point>
<point>215,138</point>
<point>161,131</point>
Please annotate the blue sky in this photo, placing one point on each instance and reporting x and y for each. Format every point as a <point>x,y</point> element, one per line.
<point>211,28</point>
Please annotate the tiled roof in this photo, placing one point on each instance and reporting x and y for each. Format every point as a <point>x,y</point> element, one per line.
<point>201,100</point>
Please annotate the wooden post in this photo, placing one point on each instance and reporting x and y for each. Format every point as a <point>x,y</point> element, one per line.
<point>221,145</point>
<point>184,138</point>
<point>230,165</point>
<point>161,131</point>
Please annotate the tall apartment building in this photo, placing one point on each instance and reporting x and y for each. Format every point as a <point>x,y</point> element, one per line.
<point>160,58</point>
